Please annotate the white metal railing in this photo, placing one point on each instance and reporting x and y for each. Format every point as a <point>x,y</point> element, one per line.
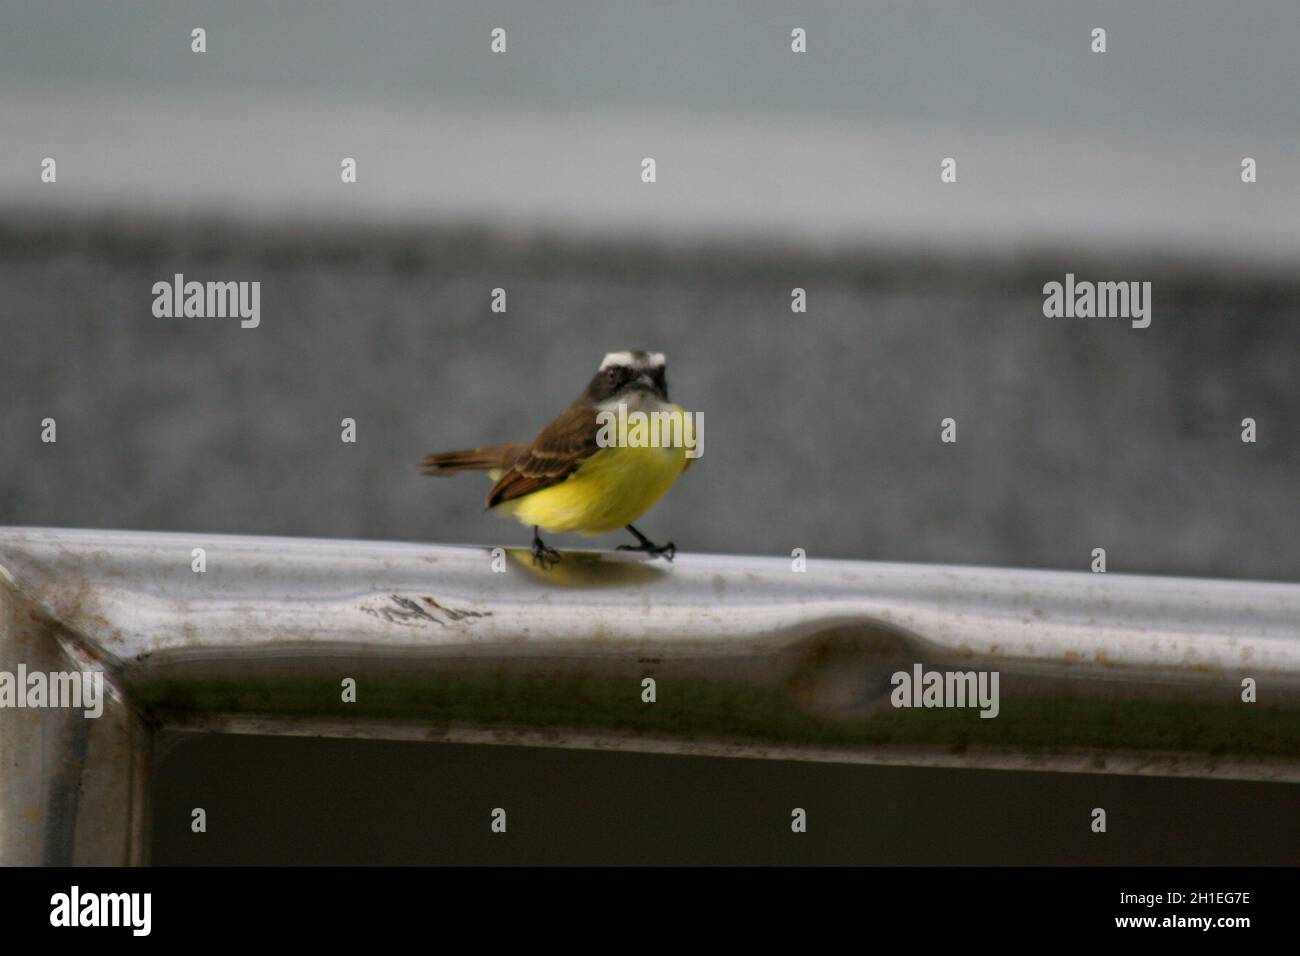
<point>709,655</point>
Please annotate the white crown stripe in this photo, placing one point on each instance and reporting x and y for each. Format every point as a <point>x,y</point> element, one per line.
<point>651,360</point>
<point>615,358</point>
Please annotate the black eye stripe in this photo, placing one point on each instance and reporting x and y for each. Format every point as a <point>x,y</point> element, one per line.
<point>627,372</point>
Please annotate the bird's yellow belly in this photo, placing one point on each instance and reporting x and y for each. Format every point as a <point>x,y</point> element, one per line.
<point>610,490</point>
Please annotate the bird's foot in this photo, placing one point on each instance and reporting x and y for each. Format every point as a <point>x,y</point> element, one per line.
<point>666,551</point>
<point>544,557</point>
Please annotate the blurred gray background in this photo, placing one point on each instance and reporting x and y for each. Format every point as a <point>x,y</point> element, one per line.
<point>776,170</point>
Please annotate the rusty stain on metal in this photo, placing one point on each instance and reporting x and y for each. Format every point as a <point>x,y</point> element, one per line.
<point>404,610</point>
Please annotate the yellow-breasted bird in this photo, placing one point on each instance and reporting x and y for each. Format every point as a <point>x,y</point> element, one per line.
<point>571,477</point>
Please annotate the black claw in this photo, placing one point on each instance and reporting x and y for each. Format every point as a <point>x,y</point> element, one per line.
<point>543,556</point>
<point>667,551</point>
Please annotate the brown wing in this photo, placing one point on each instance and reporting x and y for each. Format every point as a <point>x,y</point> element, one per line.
<point>554,455</point>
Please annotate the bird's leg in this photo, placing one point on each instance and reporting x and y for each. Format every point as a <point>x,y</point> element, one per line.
<point>667,551</point>
<point>542,555</point>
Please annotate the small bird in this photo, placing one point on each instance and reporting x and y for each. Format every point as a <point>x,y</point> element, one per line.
<point>570,478</point>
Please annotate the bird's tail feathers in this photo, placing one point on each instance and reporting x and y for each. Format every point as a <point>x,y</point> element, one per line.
<point>474,459</point>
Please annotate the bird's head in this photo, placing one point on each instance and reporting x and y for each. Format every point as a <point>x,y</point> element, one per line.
<point>630,377</point>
